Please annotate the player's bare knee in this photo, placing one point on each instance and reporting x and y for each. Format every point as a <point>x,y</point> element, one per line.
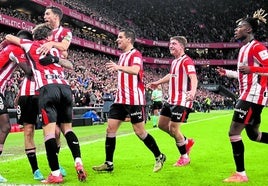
<point>141,135</point>
<point>111,134</point>
<point>235,138</point>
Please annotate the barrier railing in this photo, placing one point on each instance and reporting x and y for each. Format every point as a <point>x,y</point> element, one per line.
<point>77,113</point>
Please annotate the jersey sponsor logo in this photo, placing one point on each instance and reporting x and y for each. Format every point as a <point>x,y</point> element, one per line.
<point>190,68</point>
<point>244,112</point>
<point>179,115</point>
<point>263,54</point>
<point>136,113</point>
<point>53,76</point>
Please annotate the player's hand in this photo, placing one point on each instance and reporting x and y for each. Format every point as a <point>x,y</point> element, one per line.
<point>112,66</point>
<point>221,71</point>
<point>189,96</point>
<point>152,85</point>
<point>244,69</point>
<point>45,48</point>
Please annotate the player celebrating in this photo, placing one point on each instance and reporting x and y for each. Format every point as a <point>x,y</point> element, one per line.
<point>253,92</point>
<point>55,105</point>
<point>130,100</point>
<point>182,88</point>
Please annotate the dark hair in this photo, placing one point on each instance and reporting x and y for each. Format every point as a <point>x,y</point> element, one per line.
<point>25,34</point>
<point>55,10</point>
<point>255,20</point>
<point>41,32</point>
<point>129,34</point>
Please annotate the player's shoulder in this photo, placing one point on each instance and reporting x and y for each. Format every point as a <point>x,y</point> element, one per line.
<point>188,60</point>
<point>12,47</point>
<point>136,52</point>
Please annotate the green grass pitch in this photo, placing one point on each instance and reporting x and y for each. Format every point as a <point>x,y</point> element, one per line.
<point>211,156</point>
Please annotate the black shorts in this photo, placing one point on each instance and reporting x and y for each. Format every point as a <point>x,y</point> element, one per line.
<point>121,111</point>
<point>157,105</point>
<point>176,113</point>
<point>247,112</point>
<point>56,103</point>
<point>3,105</point>
<point>27,110</point>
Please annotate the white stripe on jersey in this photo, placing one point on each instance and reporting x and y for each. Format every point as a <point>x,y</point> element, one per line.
<point>5,74</point>
<point>28,87</point>
<point>179,81</point>
<point>57,33</point>
<point>130,90</point>
<point>250,89</point>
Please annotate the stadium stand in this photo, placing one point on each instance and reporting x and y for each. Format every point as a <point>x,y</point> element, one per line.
<point>208,26</point>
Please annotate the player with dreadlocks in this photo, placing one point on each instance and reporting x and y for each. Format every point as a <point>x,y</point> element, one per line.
<point>253,91</point>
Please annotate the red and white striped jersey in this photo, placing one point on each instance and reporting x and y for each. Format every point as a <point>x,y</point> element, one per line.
<point>28,85</point>
<point>61,33</point>
<point>43,75</point>
<point>130,88</point>
<point>252,87</point>
<point>179,82</point>
<point>7,66</point>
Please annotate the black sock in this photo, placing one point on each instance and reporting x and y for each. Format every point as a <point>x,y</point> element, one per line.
<point>264,137</point>
<point>73,144</point>
<point>51,149</point>
<point>109,148</point>
<point>182,148</point>
<point>58,149</point>
<point>31,155</point>
<point>238,153</point>
<point>151,144</point>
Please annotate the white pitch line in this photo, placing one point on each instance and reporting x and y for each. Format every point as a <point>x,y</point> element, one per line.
<point>102,139</point>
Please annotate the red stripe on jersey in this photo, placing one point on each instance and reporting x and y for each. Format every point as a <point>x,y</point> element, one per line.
<point>130,88</point>
<point>61,33</point>
<point>7,67</point>
<point>252,86</point>
<point>250,63</point>
<point>28,87</point>
<point>43,75</point>
<point>179,82</point>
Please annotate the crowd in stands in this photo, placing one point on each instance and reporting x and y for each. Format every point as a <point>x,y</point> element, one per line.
<point>199,20</point>
<point>90,77</point>
<point>91,9</point>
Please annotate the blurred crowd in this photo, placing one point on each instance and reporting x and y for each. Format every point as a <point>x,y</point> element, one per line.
<point>203,21</point>
<point>197,20</point>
